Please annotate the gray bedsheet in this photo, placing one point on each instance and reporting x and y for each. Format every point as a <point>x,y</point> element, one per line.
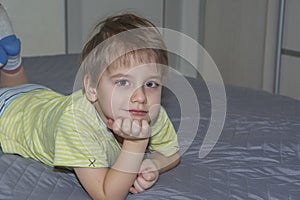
<point>256,157</point>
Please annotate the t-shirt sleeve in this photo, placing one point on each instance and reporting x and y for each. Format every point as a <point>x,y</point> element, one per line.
<point>163,137</point>
<point>76,143</point>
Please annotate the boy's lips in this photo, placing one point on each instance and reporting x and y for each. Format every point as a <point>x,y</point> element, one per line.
<point>138,112</point>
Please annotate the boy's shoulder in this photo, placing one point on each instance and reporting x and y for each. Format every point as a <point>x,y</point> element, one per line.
<point>79,108</point>
<point>77,103</point>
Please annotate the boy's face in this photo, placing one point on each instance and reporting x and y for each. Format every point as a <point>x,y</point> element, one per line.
<point>130,92</point>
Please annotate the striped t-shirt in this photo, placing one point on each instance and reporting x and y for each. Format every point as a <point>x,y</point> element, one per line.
<point>63,130</point>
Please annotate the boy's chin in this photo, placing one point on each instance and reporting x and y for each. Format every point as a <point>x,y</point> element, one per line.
<point>150,117</point>
<point>132,117</point>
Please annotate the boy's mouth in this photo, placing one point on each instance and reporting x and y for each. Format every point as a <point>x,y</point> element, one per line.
<point>138,112</point>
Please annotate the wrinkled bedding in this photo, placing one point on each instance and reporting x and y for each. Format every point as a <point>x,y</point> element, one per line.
<point>256,157</point>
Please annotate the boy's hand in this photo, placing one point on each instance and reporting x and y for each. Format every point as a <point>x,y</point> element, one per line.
<point>146,178</point>
<point>130,129</point>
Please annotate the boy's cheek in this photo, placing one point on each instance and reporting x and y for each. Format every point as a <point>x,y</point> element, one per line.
<point>153,112</point>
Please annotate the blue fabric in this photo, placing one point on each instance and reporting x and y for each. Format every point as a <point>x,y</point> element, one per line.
<point>3,57</point>
<point>11,44</point>
<point>10,47</point>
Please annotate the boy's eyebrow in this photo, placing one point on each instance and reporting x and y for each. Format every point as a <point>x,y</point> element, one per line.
<point>128,75</point>
<point>120,75</point>
<point>155,77</point>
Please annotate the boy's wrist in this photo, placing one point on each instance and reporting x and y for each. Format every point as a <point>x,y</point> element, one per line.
<point>132,154</point>
<point>137,145</point>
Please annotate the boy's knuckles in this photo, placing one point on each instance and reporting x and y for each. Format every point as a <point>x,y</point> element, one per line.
<point>117,124</point>
<point>135,131</point>
<point>138,185</point>
<point>136,128</point>
<point>146,130</point>
<point>131,128</point>
<point>126,126</point>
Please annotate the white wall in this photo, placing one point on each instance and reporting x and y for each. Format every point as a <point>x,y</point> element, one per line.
<point>83,15</point>
<point>235,38</point>
<point>40,24</point>
<point>185,16</point>
<point>289,79</point>
<point>291,39</point>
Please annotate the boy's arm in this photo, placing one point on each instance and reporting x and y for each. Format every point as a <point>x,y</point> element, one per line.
<point>114,183</point>
<point>151,168</point>
<point>164,163</point>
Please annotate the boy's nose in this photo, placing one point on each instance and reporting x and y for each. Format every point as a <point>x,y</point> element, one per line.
<point>139,96</point>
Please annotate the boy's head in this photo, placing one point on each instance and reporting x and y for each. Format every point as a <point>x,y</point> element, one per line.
<point>127,51</point>
<point>119,39</point>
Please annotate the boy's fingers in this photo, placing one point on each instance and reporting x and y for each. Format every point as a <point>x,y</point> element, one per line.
<point>145,131</point>
<point>136,128</point>
<point>139,183</point>
<point>148,176</point>
<point>126,126</point>
<point>133,190</point>
<point>117,126</point>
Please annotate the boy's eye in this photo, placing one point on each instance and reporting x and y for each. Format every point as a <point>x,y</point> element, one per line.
<point>152,84</point>
<point>122,82</point>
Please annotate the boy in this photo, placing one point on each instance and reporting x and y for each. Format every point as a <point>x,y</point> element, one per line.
<point>103,131</point>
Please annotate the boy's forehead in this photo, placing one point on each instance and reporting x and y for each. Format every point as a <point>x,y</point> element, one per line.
<point>139,67</point>
<point>130,62</point>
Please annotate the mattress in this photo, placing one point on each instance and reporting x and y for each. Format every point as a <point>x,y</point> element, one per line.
<point>256,156</point>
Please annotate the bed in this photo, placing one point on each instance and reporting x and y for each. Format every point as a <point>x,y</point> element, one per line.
<point>257,155</point>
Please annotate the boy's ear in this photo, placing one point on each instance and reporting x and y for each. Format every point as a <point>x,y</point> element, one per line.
<point>90,91</point>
